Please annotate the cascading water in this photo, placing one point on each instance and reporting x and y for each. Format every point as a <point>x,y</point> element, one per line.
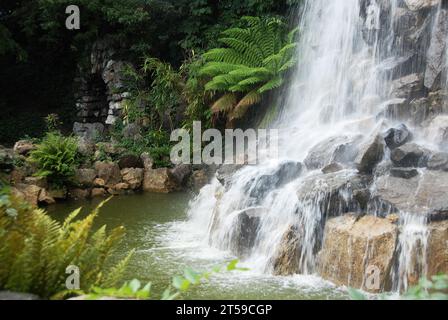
<point>341,83</point>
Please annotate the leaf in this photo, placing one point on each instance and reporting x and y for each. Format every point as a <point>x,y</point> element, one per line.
<point>232,265</point>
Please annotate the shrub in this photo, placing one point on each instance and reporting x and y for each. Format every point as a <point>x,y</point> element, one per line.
<point>36,250</point>
<point>56,157</point>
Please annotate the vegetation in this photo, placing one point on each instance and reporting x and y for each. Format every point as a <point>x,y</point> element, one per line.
<point>253,62</point>
<point>36,250</point>
<point>56,157</point>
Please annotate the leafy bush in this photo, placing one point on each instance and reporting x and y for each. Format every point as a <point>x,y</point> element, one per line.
<point>36,250</point>
<point>253,62</point>
<point>56,157</point>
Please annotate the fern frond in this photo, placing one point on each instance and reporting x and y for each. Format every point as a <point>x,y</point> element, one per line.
<point>224,104</point>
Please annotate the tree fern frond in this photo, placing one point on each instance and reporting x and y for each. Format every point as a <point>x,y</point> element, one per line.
<point>224,104</point>
<point>273,84</point>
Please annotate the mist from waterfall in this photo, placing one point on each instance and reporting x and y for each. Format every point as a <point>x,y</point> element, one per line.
<point>341,84</point>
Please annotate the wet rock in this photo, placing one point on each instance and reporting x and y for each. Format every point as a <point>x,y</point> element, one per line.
<point>130,161</point>
<point>354,247</point>
<point>133,177</point>
<point>225,172</point>
<point>84,177</point>
<point>24,147</point>
<point>422,195</point>
<point>437,131</point>
<point>182,173</point>
<point>410,86</point>
<point>109,172</point>
<point>98,192</point>
<point>159,181</point>
<point>370,154</point>
<point>405,173</point>
<point>198,179</point>
<point>416,5</point>
<point>79,194</point>
<point>340,149</point>
<point>332,168</point>
<point>287,260</point>
<point>396,137</point>
<point>260,186</point>
<point>438,161</point>
<point>437,250</point>
<point>245,231</point>
<point>410,155</point>
<point>119,189</point>
<point>31,193</point>
<point>88,131</point>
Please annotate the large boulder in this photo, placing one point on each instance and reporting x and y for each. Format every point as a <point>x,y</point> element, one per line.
<point>342,149</point>
<point>88,131</point>
<point>396,137</point>
<point>422,195</point>
<point>244,233</point>
<point>437,131</point>
<point>370,154</point>
<point>24,147</point>
<point>84,177</point>
<point>86,147</point>
<point>198,179</point>
<point>109,172</point>
<point>416,5</point>
<point>437,248</point>
<point>358,252</point>
<point>225,172</point>
<point>159,181</point>
<point>287,259</point>
<point>148,162</point>
<point>438,161</point>
<point>409,86</point>
<point>410,155</point>
<point>133,177</point>
<point>182,173</point>
<point>130,161</point>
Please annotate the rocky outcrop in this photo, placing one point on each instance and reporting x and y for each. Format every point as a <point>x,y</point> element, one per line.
<point>410,155</point>
<point>421,195</point>
<point>133,177</point>
<point>438,161</point>
<point>159,181</point>
<point>287,260</point>
<point>85,177</point>
<point>370,154</point>
<point>245,230</point>
<point>109,172</point>
<point>130,161</point>
<point>437,248</point>
<point>358,252</point>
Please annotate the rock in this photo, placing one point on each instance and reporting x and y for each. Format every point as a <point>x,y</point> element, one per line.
<point>79,194</point>
<point>422,195</point>
<point>84,177</point>
<point>148,162</point>
<point>396,137</point>
<point>24,147</point>
<point>410,155</point>
<point>404,173</point>
<point>86,147</point>
<point>260,186</point>
<point>198,179</point>
<point>6,160</point>
<point>437,131</point>
<point>109,172</point>
<point>17,175</point>
<point>182,173</point>
<point>342,149</point>
<point>131,131</point>
<point>110,149</point>
<point>353,248</point>
<point>332,168</point>
<point>331,194</point>
<point>245,231</point>
<point>119,188</point>
<point>133,177</point>
<point>437,248</point>
<point>287,260</point>
<point>88,131</point>
<point>370,154</point>
<point>225,172</point>
<point>130,161</point>
<point>416,5</point>
<point>438,161</point>
<point>98,182</point>
<point>10,295</point>
<point>99,192</point>
<point>37,181</point>
<point>45,197</point>
<point>159,181</point>
<point>31,193</point>
<point>410,86</point>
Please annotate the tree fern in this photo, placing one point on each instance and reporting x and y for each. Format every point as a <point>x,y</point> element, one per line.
<point>253,62</point>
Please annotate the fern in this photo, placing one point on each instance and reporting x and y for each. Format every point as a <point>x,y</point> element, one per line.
<point>253,62</point>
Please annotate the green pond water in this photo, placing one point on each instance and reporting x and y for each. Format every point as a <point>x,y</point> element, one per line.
<point>166,243</point>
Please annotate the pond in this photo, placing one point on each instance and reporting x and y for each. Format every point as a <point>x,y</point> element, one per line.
<point>166,243</point>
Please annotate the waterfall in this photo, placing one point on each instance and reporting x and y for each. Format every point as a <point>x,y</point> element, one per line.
<point>341,83</point>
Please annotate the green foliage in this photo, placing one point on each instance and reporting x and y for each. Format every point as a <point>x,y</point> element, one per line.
<point>434,289</point>
<point>180,285</point>
<point>253,62</point>
<point>36,250</point>
<point>56,157</point>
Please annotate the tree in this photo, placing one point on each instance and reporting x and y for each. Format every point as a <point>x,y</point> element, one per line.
<point>253,62</point>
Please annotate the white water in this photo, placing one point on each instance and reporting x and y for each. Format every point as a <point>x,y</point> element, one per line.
<point>340,86</point>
